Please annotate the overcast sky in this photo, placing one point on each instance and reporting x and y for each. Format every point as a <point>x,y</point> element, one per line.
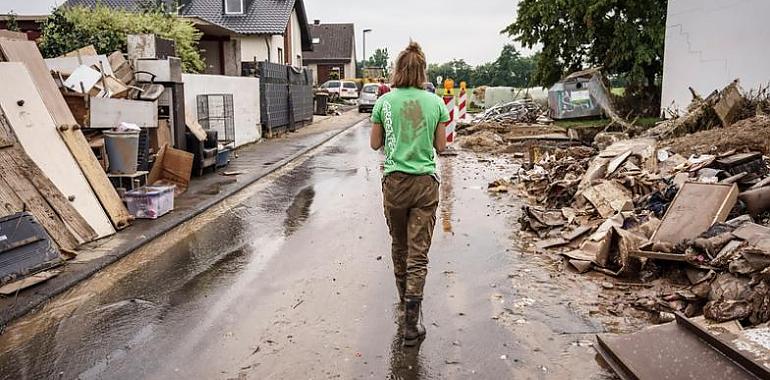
<point>446,29</point>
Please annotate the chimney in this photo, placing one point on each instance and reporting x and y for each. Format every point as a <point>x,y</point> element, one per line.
<point>317,22</point>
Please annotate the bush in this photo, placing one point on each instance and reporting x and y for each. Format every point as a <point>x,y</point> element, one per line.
<point>70,28</point>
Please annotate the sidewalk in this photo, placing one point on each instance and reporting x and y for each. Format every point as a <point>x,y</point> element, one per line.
<point>254,161</point>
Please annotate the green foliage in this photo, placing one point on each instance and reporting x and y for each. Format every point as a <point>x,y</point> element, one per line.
<point>457,69</point>
<point>12,24</point>
<point>70,28</point>
<point>625,37</point>
<point>510,69</point>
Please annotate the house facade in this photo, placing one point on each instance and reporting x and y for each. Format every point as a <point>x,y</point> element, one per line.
<point>238,33</point>
<point>700,55</point>
<point>333,50</point>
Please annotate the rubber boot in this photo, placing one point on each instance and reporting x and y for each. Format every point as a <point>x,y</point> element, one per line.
<point>414,331</point>
<point>401,285</point>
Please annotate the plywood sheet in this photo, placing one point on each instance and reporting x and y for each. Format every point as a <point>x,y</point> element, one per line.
<point>695,208</point>
<point>36,133</point>
<point>24,187</point>
<point>27,52</point>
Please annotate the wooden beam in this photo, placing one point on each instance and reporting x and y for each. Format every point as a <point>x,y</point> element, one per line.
<point>28,53</point>
<point>24,187</point>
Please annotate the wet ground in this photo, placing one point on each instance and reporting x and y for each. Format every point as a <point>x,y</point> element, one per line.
<point>291,278</point>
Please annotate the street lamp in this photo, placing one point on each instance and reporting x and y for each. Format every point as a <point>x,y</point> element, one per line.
<point>365,31</point>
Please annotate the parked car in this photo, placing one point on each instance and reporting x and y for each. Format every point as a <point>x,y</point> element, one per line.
<point>344,89</point>
<point>368,97</point>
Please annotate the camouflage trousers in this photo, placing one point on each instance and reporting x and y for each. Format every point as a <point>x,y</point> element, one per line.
<point>410,209</point>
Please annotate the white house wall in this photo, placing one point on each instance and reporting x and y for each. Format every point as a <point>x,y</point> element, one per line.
<point>246,104</point>
<point>296,39</point>
<point>709,43</point>
<point>254,47</point>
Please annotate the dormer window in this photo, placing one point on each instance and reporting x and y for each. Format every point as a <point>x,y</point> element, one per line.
<point>233,7</point>
<point>316,40</point>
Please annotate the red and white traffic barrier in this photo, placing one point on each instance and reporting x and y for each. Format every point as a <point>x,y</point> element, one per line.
<point>450,127</point>
<point>462,107</point>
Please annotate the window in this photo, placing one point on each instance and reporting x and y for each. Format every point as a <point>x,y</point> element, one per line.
<point>350,85</point>
<point>370,89</point>
<point>233,7</point>
<point>333,84</point>
<point>280,55</point>
<point>316,40</point>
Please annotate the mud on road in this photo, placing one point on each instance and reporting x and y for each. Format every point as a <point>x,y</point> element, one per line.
<point>291,278</point>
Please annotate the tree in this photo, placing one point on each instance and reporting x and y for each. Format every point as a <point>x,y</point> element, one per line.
<point>625,37</point>
<point>380,58</point>
<point>70,28</point>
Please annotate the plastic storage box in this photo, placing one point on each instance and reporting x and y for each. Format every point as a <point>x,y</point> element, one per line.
<point>150,202</point>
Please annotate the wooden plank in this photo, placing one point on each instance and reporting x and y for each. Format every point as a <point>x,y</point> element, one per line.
<point>85,51</point>
<point>195,127</point>
<point>26,188</point>
<point>11,35</point>
<point>695,208</point>
<point>109,113</point>
<point>27,52</point>
<point>17,286</point>
<point>36,133</point>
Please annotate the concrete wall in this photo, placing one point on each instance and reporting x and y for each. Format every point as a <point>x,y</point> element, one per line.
<point>709,43</point>
<point>246,104</point>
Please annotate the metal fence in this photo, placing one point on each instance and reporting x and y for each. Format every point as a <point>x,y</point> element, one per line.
<point>286,97</point>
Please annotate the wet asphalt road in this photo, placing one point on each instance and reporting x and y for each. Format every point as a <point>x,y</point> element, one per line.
<point>291,279</point>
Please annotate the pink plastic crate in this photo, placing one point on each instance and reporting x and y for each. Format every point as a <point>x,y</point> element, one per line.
<point>150,202</point>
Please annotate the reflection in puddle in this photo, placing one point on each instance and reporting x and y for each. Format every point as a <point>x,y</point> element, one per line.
<point>298,211</point>
<point>447,193</point>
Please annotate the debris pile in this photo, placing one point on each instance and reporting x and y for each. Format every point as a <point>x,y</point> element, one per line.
<point>519,111</point>
<point>691,214</point>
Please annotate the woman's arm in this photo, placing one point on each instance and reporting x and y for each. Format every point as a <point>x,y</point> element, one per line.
<point>376,140</point>
<point>439,141</point>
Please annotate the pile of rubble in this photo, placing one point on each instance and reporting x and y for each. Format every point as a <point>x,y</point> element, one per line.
<point>509,127</point>
<point>519,111</point>
<point>654,208</point>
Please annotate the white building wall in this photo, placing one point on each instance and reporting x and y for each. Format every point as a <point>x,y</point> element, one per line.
<point>296,39</point>
<point>314,67</point>
<point>709,43</point>
<point>253,47</point>
<point>257,46</point>
<point>246,104</point>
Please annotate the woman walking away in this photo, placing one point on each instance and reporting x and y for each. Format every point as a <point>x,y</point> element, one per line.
<point>410,122</point>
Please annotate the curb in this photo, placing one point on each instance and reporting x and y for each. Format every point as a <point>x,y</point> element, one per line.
<point>123,251</point>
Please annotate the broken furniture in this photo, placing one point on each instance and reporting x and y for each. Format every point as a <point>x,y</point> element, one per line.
<point>155,62</point>
<point>205,152</point>
<point>25,247</point>
<point>681,350</point>
<point>128,182</point>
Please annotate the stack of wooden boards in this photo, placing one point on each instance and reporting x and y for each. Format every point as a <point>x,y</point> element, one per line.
<point>48,167</point>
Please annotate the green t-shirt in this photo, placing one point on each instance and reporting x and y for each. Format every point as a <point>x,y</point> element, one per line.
<point>409,117</point>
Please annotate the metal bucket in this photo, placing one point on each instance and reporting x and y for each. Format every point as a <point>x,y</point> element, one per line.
<point>122,151</point>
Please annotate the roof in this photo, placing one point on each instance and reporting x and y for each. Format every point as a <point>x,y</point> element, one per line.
<point>336,43</point>
<point>259,17</point>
